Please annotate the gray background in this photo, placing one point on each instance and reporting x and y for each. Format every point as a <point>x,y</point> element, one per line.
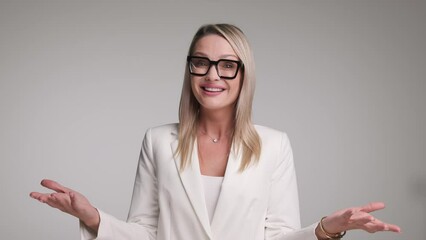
<point>81,81</point>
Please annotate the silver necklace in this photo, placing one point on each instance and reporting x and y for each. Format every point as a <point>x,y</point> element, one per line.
<point>214,140</point>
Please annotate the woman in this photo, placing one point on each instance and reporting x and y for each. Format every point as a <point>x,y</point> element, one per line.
<point>214,175</point>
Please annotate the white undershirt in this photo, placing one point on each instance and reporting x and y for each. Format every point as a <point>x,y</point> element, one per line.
<point>212,187</point>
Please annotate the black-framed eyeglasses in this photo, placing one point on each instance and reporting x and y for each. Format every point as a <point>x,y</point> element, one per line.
<point>225,68</point>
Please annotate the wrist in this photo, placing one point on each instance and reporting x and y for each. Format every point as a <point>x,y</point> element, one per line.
<point>323,234</point>
<point>92,220</point>
<point>319,234</point>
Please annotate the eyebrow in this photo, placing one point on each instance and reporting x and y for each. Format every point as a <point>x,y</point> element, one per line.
<point>220,57</point>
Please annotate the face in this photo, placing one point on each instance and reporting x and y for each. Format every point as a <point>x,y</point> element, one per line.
<point>212,92</point>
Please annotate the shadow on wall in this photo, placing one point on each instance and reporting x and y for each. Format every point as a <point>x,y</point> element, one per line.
<point>419,187</point>
<point>419,191</point>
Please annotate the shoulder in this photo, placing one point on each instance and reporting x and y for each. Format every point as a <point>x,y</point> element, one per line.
<point>161,133</point>
<point>272,138</point>
<point>269,133</point>
<point>170,128</point>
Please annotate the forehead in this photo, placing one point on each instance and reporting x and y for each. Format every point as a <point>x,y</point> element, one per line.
<point>213,46</point>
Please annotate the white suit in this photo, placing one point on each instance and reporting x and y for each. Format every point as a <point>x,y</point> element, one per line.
<point>258,203</point>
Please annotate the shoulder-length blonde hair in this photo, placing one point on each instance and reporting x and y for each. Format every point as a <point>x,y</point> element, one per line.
<point>245,137</point>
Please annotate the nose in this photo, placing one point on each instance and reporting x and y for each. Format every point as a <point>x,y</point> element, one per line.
<point>213,73</point>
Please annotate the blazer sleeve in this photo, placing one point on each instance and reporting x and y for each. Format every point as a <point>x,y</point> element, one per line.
<point>282,217</point>
<point>143,214</point>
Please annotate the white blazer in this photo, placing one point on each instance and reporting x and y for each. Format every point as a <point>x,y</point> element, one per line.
<point>167,204</point>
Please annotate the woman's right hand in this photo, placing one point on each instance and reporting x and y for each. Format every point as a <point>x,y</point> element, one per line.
<point>69,201</point>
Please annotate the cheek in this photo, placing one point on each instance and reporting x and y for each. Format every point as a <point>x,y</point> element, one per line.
<point>195,89</point>
<point>237,85</point>
<point>193,85</point>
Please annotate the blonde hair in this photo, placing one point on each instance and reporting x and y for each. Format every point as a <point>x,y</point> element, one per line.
<point>245,137</point>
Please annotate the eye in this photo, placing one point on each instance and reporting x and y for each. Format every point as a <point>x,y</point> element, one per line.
<point>199,62</point>
<point>228,64</point>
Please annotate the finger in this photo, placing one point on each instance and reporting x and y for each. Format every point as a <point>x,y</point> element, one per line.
<point>42,197</point>
<point>35,195</point>
<point>374,227</point>
<point>54,186</point>
<point>393,228</point>
<point>373,206</point>
<point>47,198</point>
<point>361,218</point>
<point>59,201</point>
<point>377,225</point>
<point>60,198</point>
<point>386,226</point>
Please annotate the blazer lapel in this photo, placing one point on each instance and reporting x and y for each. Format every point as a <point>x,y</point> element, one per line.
<point>192,182</point>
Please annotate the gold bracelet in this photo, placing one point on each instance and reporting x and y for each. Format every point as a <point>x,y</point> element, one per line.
<point>336,236</point>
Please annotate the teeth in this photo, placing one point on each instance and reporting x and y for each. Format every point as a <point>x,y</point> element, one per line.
<point>213,89</point>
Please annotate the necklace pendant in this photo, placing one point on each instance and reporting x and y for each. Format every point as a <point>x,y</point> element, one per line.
<point>215,140</point>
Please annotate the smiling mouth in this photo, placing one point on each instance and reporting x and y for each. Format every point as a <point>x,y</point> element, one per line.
<point>210,89</point>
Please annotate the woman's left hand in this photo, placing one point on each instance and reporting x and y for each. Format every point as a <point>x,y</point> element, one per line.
<point>355,218</point>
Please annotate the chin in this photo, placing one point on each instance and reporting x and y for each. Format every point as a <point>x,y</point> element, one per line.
<point>217,107</point>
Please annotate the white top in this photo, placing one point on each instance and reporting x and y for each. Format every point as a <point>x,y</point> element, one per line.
<point>212,186</point>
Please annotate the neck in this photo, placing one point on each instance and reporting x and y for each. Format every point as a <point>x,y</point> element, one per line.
<point>216,123</point>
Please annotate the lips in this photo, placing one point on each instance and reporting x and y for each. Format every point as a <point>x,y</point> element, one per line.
<point>213,89</point>
<point>210,88</point>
